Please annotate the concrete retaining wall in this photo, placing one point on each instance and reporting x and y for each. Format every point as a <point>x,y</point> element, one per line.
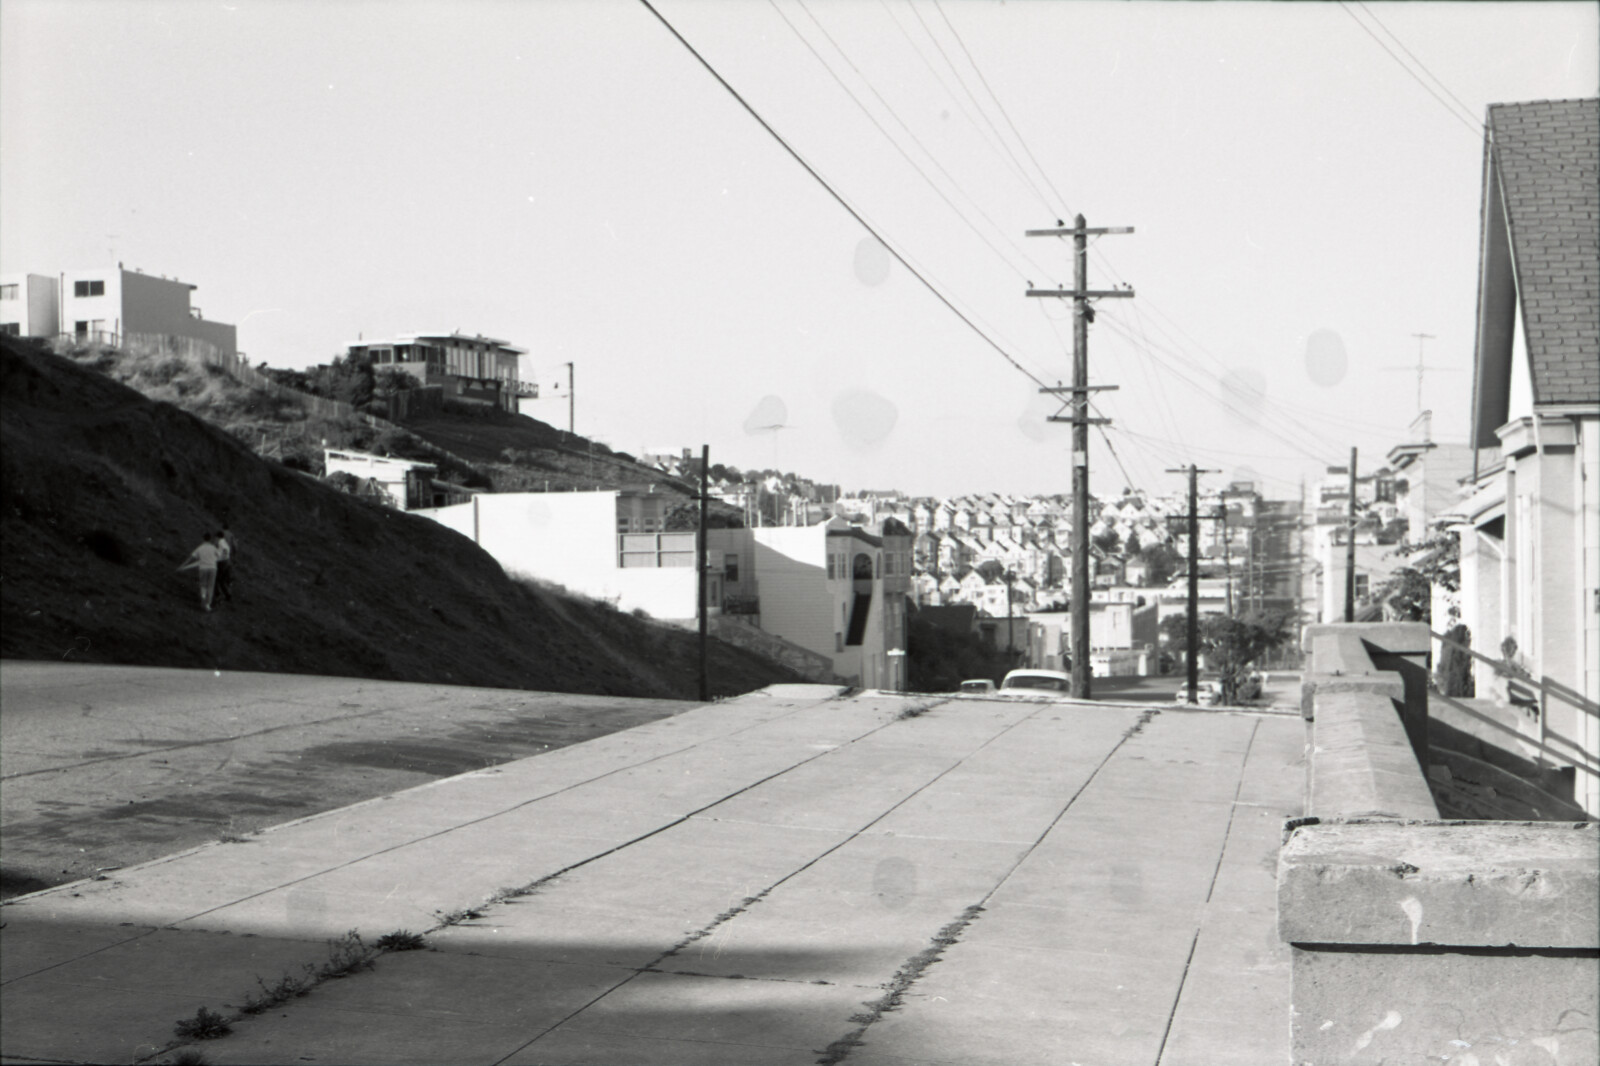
<point>1416,940</point>
<point>810,665</point>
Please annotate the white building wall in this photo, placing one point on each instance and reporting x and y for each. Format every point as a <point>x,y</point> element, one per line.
<point>791,568</point>
<point>1587,523</point>
<point>570,539</point>
<point>35,310</point>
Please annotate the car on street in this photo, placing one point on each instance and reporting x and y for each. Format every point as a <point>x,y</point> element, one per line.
<point>1020,683</point>
<point>1206,693</point>
<point>981,686</point>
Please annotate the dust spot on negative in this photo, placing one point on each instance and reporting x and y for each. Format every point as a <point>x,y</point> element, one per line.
<point>863,418</point>
<point>871,261</point>
<point>770,413</point>
<point>894,882</point>
<point>1326,360</point>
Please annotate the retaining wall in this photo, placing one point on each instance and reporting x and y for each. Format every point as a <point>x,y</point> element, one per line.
<point>1413,939</point>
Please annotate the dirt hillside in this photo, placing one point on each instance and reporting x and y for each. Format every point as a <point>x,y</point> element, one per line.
<point>105,491</point>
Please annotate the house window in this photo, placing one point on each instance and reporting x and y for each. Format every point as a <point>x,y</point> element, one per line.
<point>1362,586</point>
<point>11,329</point>
<point>88,288</point>
<point>838,642</point>
<point>8,292</point>
<point>730,568</point>
<point>81,328</point>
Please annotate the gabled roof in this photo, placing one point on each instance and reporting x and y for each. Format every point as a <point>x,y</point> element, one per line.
<point>1543,160</point>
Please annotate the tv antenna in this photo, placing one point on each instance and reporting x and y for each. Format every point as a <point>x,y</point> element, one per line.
<point>1422,367</point>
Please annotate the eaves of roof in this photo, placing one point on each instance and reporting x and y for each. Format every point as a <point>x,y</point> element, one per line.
<point>1546,156</point>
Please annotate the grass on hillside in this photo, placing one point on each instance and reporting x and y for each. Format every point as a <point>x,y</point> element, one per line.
<point>105,491</point>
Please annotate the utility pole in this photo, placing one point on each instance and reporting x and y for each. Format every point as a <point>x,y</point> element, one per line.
<point>1227,556</point>
<point>1350,546</point>
<point>700,563</point>
<point>1192,640</point>
<point>1083,314</point>
<point>571,421</point>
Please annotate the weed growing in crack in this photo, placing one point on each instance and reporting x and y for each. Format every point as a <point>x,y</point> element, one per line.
<point>1144,720</point>
<point>286,988</point>
<point>400,940</point>
<point>232,838</point>
<point>206,1024</point>
<point>896,988</point>
<point>466,914</point>
<point>347,955</point>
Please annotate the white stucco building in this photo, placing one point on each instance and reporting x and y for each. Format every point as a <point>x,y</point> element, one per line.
<point>110,304</point>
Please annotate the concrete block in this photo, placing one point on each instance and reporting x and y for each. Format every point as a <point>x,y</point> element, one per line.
<point>1359,1009</point>
<point>1362,762</point>
<point>1474,884</point>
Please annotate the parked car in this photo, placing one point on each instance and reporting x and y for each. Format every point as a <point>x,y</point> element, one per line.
<point>977,687</point>
<point>1206,693</point>
<point>1036,683</point>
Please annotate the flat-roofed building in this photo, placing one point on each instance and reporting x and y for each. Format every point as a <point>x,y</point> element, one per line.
<point>471,369</point>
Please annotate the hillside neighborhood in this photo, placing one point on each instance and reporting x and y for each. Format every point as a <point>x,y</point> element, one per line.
<point>667,759</point>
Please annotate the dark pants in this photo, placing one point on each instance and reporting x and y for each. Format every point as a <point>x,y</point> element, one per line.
<point>225,580</point>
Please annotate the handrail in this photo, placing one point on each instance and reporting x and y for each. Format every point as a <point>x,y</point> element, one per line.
<point>1545,686</point>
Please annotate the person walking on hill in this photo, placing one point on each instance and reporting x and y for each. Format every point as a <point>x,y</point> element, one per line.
<point>204,561</point>
<point>225,566</point>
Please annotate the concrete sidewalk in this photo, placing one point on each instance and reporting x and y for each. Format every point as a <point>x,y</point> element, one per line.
<point>786,877</point>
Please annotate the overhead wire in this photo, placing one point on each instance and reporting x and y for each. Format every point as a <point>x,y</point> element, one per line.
<point>973,97</point>
<point>1039,271</point>
<point>1478,127</point>
<point>1065,211</point>
<point>839,197</point>
<point>1009,165</point>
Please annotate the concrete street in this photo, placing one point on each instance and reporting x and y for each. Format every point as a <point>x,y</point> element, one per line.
<point>787,877</point>
<point>106,766</point>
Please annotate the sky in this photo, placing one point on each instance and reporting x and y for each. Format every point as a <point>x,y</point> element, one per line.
<point>1303,181</point>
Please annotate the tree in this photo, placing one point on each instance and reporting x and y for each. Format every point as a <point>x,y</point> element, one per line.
<point>1409,590</point>
<point>1233,643</point>
<point>1131,546</point>
<point>938,660</point>
<point>1160,561</point>
<point>1107,541</point>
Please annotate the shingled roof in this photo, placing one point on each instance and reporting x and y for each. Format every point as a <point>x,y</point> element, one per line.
<point>1547,158</point>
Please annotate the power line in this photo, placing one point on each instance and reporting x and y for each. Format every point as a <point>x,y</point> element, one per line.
<point>973,97</point>
<point>1040,270</point>
<point>1465,110</point>
<point>839,198</point>
<point>1061,200</point>
<point>1478,128</point>
<point>1012,167</point>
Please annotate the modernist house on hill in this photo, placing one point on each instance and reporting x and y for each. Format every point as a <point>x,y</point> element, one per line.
<point>470,369</point>
<point>108,304</point>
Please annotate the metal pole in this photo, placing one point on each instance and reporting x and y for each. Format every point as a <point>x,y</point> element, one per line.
<point>1192,639</point>
<point>1350,546</point>
<point>571,417</point>
<point>700,562</point>
<point>1227,556</point>
<point>1080,463</point>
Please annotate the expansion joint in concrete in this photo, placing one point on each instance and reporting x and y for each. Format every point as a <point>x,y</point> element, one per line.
<point>1493,951</point>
